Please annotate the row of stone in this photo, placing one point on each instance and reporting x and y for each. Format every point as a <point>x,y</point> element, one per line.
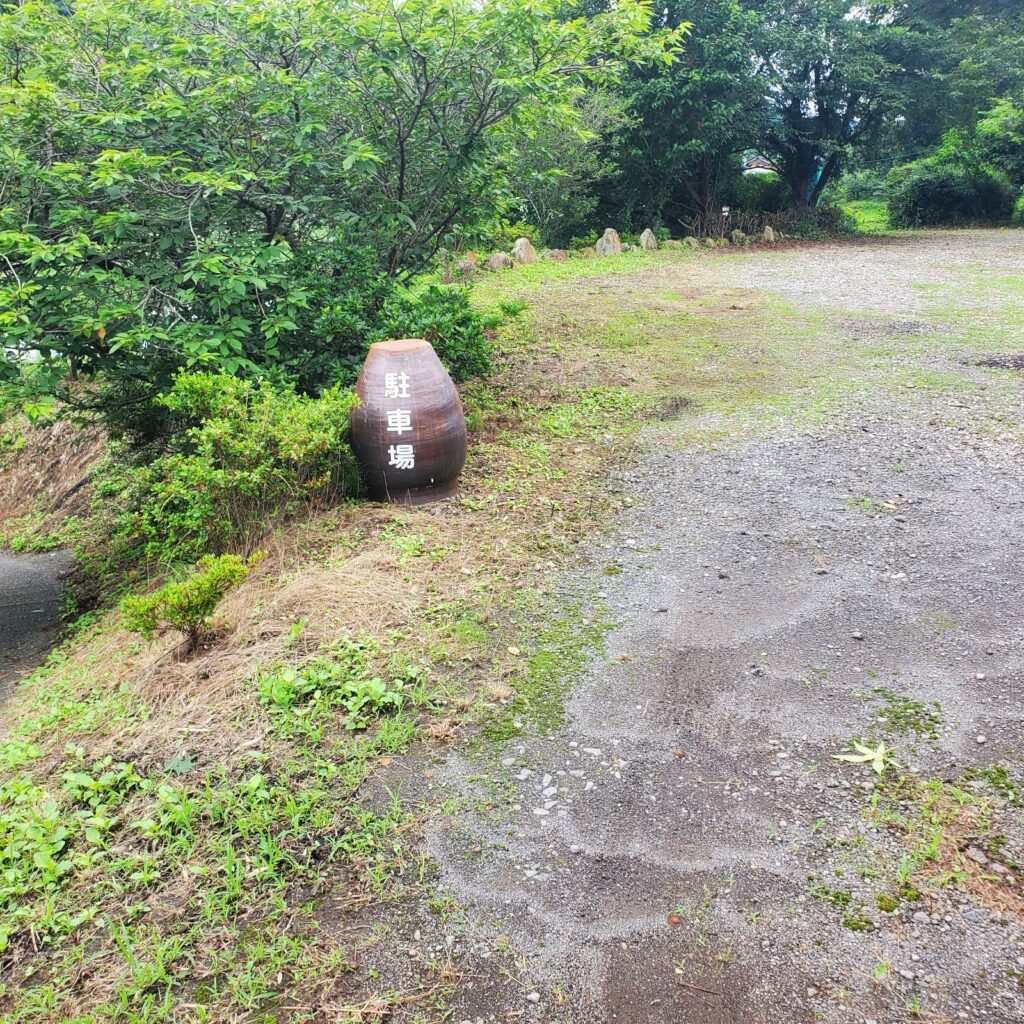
<point>609,244</point>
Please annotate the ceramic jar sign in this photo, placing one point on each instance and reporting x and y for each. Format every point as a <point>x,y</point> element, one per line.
<point>408,432</point>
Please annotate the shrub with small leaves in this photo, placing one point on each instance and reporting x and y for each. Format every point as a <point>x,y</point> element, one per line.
<point>247,456</point>
<point>187,604</point>
<point>444,316</point>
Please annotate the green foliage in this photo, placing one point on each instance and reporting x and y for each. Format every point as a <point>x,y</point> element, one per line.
<point>502,236</point>
<point>44,841</point>
<point>444,316</point>
<point>940,191</point>
<point>823,222</point>
<point>861,185</point>
<point>1018,209</point>
<point>869,215</point>
<point>249,455</point>
<point>758,193</point>
<point>552,170</point>
<point>180,173</point>
<point>344,681</point>
<point>686,122</point>
<point>186,605</point>
<point>999,136</point>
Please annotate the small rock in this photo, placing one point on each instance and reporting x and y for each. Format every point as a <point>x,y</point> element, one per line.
<point>533,997</point>
<point>498,261</point>
<point>976,855</point>
<point>768,235</point>
<point>557,255</point>
<point>648,241</point>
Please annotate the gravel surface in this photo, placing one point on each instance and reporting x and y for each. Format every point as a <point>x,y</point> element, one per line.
<point>30,592</point>
<point>687,848</point>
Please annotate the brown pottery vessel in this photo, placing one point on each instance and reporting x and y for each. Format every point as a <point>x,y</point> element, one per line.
<point>408,432</point>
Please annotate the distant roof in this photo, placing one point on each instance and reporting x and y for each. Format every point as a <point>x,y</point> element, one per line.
<point>759,163</point>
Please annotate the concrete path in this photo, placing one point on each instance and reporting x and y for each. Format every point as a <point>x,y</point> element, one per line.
<point>30,593</point>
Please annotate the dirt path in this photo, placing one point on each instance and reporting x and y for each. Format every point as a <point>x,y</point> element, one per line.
<point>687,848</point>
<point>30,590</point>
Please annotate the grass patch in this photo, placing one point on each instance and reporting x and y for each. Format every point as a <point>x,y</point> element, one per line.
<point>870,215</point>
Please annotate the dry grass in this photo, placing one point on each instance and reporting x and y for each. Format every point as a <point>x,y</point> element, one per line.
<point>48,471</point>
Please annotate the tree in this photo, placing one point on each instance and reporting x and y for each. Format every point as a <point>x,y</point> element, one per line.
<point>179,171</point>
<point>831,74</point>
<point>688,121</point>
<point>999,137</point>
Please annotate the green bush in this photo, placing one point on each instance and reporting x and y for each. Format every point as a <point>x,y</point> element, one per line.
<point>346,288</point>
<point>1000,139</point>
<point>503,235</point>
<point>858,186</point>
<point>937,192</point>
<point>187,604</point>
<point>194,169</point>
<point>247,455</point>
<point>444,316</point>
<point>759,193</point>
<point>824,222</point>
<point>1018,209</point>
<point>583,241</point>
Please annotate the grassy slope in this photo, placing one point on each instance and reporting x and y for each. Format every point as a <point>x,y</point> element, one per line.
<point>871,215</point>
<point>169,836</point>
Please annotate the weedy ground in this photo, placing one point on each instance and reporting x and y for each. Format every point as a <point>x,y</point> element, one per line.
<point>184,837</point>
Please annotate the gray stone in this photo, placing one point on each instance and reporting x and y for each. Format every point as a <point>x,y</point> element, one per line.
<point>609,244</point>
<point>523,251</point>
<point>464,270</point>
<point>738,237</point>
<point>558,255</point>
<point>769,235</point>
<point>648,241</point>
<point>689,242</point>
<point>498,261</point>
<point>588,252</point>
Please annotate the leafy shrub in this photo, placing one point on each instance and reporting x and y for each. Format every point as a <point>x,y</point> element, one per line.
<point>860,185</point>
<point>936,192</point>
<point>343,681</point>
<point>583,241</point>
<point>759,193</point>
<point>824,222</point>
<point>504,234</point>
<point>249,454</point>
<point>187,604</point>
<point>346,288</point>
<point>1018,209</point>
<point>444,316</point>
<point>137,244</point>
<point>1000,139</point>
